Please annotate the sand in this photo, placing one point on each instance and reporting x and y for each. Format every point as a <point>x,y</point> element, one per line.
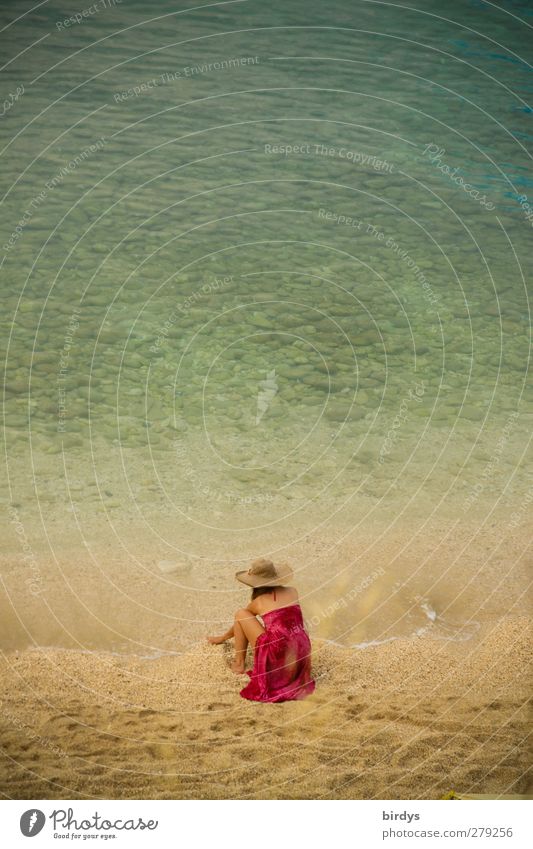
<point>407,719</point>
<point>108,689</point>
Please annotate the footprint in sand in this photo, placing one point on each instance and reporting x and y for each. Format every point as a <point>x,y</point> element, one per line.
<point>386,715</point>
<point>66,723</point>
<point>356,709</point>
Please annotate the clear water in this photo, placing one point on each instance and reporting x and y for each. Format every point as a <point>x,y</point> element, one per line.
<point>191,327</point>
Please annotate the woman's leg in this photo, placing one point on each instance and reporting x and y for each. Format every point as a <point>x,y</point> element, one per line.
<point>247,629</point>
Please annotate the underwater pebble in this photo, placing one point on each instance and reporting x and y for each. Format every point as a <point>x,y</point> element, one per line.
<point>171,566</point>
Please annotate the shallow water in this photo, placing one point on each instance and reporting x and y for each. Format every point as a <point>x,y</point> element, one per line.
<point>263,290</point>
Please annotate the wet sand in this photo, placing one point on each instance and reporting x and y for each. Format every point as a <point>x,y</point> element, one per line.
<point>407,719</point>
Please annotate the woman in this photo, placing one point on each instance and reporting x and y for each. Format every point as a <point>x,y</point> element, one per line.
<point>282,650</point>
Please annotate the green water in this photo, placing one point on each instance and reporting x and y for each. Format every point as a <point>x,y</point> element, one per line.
<point>264,286</point>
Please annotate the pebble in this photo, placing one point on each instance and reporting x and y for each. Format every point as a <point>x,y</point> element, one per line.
<point>171,566</point>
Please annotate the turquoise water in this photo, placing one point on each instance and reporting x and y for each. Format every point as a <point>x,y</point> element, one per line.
<point>257,256</point>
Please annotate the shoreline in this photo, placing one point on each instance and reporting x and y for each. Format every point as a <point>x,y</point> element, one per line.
<point>135,592</point>
<point>371,644</point>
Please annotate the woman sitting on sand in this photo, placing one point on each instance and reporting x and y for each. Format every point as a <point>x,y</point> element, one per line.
<point>282,650</point>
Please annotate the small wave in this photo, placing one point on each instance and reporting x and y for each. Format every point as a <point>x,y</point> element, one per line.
<point>371,643</point>
<point>437,629</point>
<point>109,652</point>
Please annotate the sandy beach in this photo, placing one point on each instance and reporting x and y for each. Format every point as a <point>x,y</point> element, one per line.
<point>404,720</point>
<point>108,688</point>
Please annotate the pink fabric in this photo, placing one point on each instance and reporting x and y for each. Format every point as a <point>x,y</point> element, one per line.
<point>282,659</point>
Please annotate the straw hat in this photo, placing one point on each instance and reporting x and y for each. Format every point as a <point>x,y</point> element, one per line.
<point>263,573</point>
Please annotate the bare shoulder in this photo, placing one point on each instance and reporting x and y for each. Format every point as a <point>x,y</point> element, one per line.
<point>291,593</point>
<point>254,606</point>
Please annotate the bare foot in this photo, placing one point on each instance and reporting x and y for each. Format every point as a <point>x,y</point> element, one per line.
<point>237,667</point>
<point>216,641</point>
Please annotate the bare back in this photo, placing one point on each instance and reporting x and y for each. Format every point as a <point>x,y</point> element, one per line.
<point>285,596</point>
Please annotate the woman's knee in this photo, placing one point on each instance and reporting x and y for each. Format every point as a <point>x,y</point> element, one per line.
<point>242,613</point>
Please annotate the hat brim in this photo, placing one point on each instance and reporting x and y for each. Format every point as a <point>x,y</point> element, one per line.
<point>284,577</point>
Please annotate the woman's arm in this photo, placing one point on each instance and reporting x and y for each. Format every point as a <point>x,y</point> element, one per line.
<point>216,641</point>
<point>231,632</point>
<point>252,607</point>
